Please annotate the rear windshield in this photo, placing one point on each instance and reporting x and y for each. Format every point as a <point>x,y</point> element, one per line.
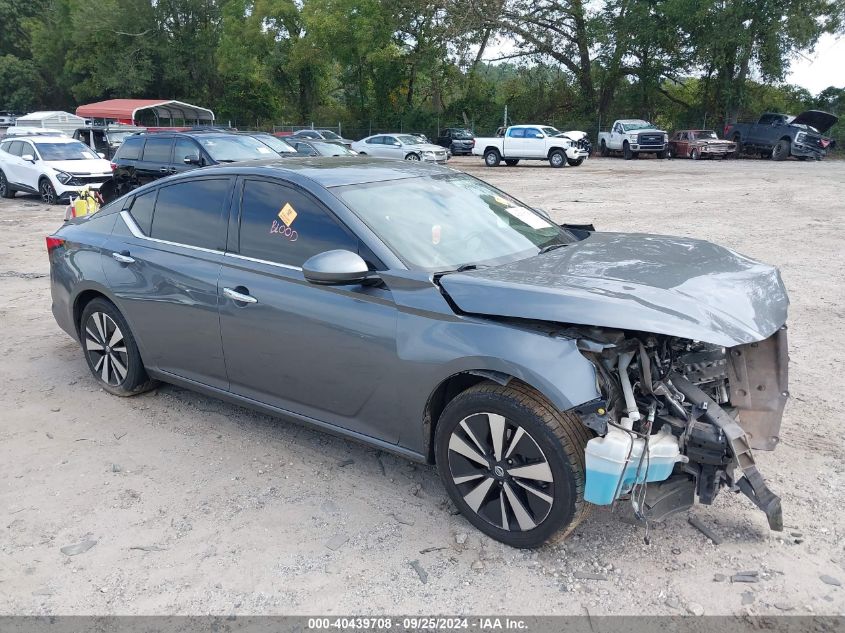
<point>461,134</point>
<point>228,149</point>
<point>65,151</point>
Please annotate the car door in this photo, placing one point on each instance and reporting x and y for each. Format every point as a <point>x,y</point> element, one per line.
<point>393,148</point>
<point>186,148</point>
<point>156,161</point>
<point>29,171</point>
<point>163,262</point>
<point>12,161</point>
<point>318,351</point>
<point>375,146</point>
<point>534,143</point>
<point>514,143</point>
<point>617,136</point>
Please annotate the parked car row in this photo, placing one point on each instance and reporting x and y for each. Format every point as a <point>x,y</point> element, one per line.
<point>775,136</point>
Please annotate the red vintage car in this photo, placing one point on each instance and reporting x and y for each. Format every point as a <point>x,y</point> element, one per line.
<point>697,144</point>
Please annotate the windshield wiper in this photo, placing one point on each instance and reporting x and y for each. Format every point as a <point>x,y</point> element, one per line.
<point>465,267</point>
<point>550,247</point>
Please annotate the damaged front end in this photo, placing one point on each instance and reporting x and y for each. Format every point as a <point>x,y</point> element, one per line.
<point>679,419</point>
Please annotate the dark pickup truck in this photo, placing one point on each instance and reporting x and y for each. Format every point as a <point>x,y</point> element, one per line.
<point>781,135</point>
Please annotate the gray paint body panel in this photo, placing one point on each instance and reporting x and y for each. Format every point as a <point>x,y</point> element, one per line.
<point>651,283</point>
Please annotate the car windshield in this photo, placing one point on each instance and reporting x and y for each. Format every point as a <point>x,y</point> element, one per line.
<point>637,125</point>
<point>445,222</point>
<point>65,151</point>
<point>228,149</point>
<point>705,134</point>
<point>550,131</point>
<point>407,139</point>
<point>276,144</point>
<point>330,135</point>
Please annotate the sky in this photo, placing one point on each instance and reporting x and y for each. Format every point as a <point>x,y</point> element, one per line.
<point>825,67</point>
<point>815,71</point>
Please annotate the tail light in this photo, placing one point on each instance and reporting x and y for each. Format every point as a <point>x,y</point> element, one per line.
<point>725,131</point>
<point>113,166</point>
<point>53,243</point>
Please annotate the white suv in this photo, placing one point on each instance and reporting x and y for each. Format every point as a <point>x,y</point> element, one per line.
<point>51,166</point>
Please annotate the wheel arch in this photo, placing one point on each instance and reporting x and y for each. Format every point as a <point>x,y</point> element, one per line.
<point>492,148</point>
<point>554,149</point>
<point>560,395</point>
<point>85,297</point>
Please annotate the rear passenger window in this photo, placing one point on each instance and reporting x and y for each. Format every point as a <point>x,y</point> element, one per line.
<point>282,225</point>
<point>157,150</point>
<point>131,148</point>
<point>142,211</point>
<point>192,213</point>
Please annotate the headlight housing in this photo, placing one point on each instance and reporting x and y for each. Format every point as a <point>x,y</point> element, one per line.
<point>63,177</point>
<point>800,137</point>
<point>665,137</point>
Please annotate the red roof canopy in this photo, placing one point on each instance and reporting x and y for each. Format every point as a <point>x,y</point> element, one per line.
<point>127,110</point>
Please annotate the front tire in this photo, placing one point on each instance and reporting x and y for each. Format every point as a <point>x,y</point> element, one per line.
<point>492,158</point>
<point>781,150</point>
<point>5,190</point>
<point>412,156</point>
<point>575,162</point>
<point>557,159</point>
<point>512,463</point>
<point>47,192</point>
<point>626,151</point>
<point>110,350</point>
<point>663,154</point>
<point>694,155</point>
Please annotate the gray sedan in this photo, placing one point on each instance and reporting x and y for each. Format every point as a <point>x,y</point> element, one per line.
<point>542,368</point>
<point>400,146</point>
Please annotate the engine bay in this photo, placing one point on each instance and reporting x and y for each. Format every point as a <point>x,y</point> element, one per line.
<point>678,419</point>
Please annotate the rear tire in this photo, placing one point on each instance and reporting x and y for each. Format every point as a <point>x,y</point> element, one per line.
<point>738,150</point>
<point>603,149</point>
<point>5,190</point>
<point>110,350</point>
<point>519,492</point>
<point>557,159</point>
<point>511,162</point>
<point>492,158</point>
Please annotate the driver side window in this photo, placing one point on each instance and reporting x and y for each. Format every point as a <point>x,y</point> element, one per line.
<point>531,132</point>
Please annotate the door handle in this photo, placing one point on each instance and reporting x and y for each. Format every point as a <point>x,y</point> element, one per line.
<point>240,297</point>
<point>123,257</point>
<point>163,170</point>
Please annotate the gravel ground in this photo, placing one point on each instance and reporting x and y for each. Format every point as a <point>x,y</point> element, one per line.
<point>189,505</point>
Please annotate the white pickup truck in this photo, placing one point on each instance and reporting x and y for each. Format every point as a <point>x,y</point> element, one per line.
<point>633,137</point>
<point>530,142</point>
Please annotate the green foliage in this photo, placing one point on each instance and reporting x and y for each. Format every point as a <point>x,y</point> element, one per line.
<point>374,65</point>
<point>20,84</point>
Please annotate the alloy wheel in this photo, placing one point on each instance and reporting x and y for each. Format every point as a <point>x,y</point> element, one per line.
<point>412,157</point>
<point>557,159</point>
<point>501,472</point>
<point>106,348</point>
<point>48,194</point>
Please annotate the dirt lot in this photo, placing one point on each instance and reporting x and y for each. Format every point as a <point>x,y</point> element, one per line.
<point>197,506</point>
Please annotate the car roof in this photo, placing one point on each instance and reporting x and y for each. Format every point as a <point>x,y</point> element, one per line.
<point>41,137</point>
<point>334,171</point>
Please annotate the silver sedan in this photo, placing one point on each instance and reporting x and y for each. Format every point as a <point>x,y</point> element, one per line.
<point>400,146</point>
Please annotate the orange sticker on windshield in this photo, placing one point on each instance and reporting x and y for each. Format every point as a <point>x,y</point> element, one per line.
<point>287,214</point>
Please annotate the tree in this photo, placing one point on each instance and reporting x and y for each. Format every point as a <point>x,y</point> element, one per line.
<point>20,84</point>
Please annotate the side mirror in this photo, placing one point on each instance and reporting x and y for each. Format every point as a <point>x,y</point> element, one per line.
<point>336,267</point>
<point>28,158</point>
<point>193,159</point>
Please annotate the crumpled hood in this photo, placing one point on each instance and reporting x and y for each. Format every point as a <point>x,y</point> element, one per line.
<point>822,121</point>
<point>97,166</point>
<point>652,283</point>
